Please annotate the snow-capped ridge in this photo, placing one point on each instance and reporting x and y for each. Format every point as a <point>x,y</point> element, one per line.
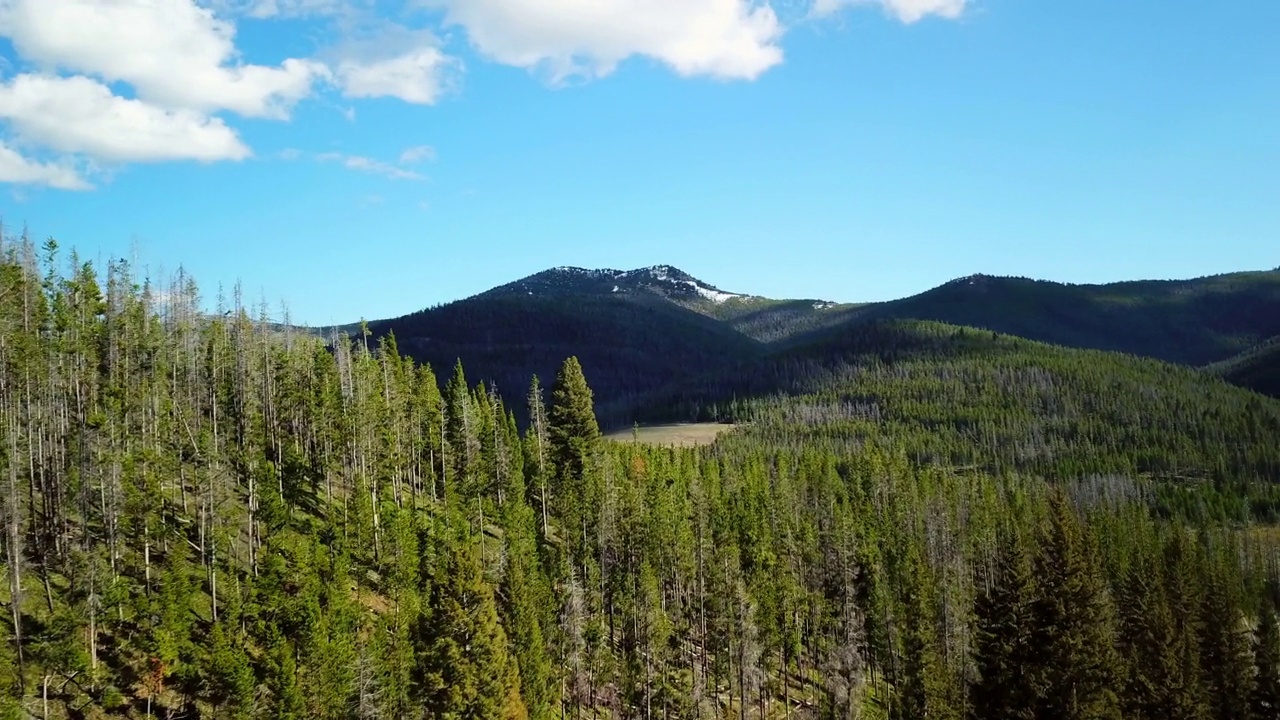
<point>664,280</point>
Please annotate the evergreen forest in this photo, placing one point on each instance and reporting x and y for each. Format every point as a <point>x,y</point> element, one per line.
<point>205,514</point>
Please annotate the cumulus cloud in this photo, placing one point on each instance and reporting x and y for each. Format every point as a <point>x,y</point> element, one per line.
<point>417,154</point>
<point>174,53</point>
<point>296,8</point>
<point>363,164</point>
<point>727,39</point>
<point>385,59</point>
<point>908,11</point>
<point>20,171</point>
<point>416,76</point>
<point>81,115</point>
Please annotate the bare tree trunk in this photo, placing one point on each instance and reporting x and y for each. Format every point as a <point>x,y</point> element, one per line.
<point>93,616</point>
<point>15,554</point>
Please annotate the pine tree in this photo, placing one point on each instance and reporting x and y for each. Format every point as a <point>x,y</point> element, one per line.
<point>1225,654</point>
<point>461,442</point>
<point>926,690</point>
<point>1005,654</point>
<point>1074,623</point>
<point>282,680</point>
<point>1265,702</point>
<point>574,439</point>
<point>466,671</point>
<point>10,690</point>
<point>232,677</point>
<point>537,677</point>
<point>538,448</point>
<point>572,428</point>
<point>1156,682</point>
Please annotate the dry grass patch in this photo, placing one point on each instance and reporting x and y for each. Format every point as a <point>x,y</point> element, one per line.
<point>678,435</point>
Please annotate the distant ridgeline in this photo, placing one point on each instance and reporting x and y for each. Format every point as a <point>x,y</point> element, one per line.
<point>1257,368</point>
<point>659,327</point>
<point>207,516</point>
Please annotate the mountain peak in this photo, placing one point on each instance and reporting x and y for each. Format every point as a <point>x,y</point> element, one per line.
<point>667,281</point>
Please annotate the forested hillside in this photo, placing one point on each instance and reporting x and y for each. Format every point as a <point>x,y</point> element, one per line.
<point>965,398</point>
<point>1257,368</point>
<point>1192,322</point>
<point>630,344</point>
<point>636,331</point>
<point>207,516</point>
<point>632,330</point>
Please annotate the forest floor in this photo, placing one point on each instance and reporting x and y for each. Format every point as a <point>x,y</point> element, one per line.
<point>679,435</point>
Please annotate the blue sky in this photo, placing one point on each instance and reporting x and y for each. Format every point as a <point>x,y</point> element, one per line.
<point>359,158</point>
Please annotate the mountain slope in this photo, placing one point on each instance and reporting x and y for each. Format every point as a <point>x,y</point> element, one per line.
<point>1192,322</point>
<point>959,397</point>
<point>641,332</point>
<point>627,343</point>
<point>632,330</point>
<point>663,281</point>
<point>1257,368</point>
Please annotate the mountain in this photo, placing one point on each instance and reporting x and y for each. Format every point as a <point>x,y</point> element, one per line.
<point>1192,322</point>
<point>960,397</point>
<point>1257,368</point>
<point>654,328</point>
<point>759,318</point>
<point>632,330</point>
<point>641,332</point>
<point>664,281</point>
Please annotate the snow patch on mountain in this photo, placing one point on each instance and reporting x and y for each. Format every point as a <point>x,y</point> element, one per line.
<point>715,296</point>
<point>665,280</point>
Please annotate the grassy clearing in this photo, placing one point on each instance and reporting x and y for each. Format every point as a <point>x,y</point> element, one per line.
<point>680,435</point>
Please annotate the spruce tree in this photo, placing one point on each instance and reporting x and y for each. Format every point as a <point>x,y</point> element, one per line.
<point>1265,702</point>
<point>1006,656</point>
<point>926,689</point>
<point>466,671</point>
<point>232,676</point>
<point>574,438</point>
<point>537,677</point>
<point>1074,624</point>
<point>538,449</point>
<point>461,443</point>
<point>10,690</point>
<point>1156,682</point>
<point>1225,653</point>
<point>1183,590</point>
<point>282,680</point>
<point>572,427</point>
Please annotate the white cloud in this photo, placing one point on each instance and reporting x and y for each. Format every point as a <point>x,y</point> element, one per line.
<point>295,8</point>
<point>908,11</point>
<point>363,164</point>
<point>288,9</point>
<point>416,76</point>
<point>417,154</point>
<point>19,170</point>
<point>173,52</point>
<point>384,59</point>
<point>81,115</point>
<point>728,39</point>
